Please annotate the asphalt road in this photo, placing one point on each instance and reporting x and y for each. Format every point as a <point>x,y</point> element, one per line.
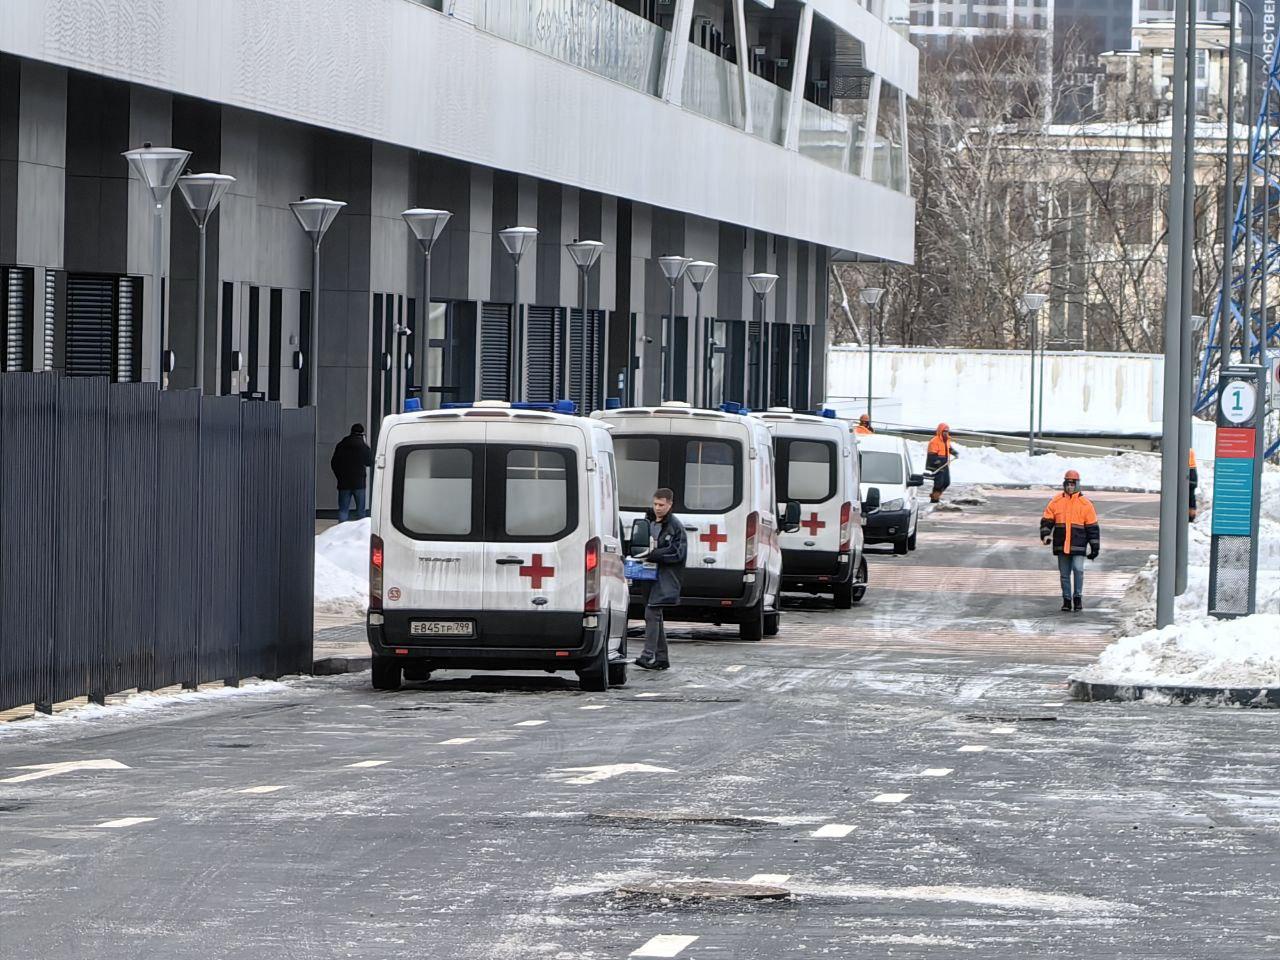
<point>909,770</point>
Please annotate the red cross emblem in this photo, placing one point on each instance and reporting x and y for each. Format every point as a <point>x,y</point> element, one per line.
<point>813,524</point>
<point>713,538</point>
<point>536,572</point>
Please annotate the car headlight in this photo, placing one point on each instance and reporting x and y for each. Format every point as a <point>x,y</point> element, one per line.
<point>892,505</point>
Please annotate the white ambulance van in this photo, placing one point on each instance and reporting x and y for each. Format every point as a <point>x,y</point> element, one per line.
<point>816,464</point>
<point>720,466</point>
<point>496,545</point>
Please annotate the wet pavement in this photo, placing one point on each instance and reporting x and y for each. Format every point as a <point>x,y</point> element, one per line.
<point>911,771</point>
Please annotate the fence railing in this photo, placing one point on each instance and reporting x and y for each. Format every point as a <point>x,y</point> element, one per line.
<point>149,538</point>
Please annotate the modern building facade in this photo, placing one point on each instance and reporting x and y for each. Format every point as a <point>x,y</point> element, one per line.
<point>762,137</point>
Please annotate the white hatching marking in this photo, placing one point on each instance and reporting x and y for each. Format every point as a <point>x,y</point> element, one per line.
<point>832,831</point>
<point>369,763</point>
<point>638,695</point>
<point>1003,730</point>
<point>265,788</point>
<point>530,723</point>
<point>773,879</point>
<point>43,770</point>
<point>972,748</point>
<point>665,945</point>
<point>609,771</point>
<point>593,706</point>
<point>457,740</point>
<point>123,822</point>
<point>890,798</point>
<point>936,772</point>
<point>735,668</point>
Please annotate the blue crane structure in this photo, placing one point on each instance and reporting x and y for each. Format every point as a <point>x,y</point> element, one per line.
<point>1256,221</point>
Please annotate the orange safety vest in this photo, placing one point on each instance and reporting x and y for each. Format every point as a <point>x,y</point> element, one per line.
<point>940,447</point>
<point>862,431</point>
<point>1073,523</point>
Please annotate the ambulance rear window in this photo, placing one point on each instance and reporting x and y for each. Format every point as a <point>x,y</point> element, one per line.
<point>806,469</point>
<point>437,492</point>
<point>706,474</point>
<point>537,493</point>
<point>709,475</point>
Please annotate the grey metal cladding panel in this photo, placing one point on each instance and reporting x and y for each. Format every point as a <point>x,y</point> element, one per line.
<point>296,509</point>
<point>131,544</point>
<point>178,517</point>
<point>260,538</point>
<point>79,546</point>
<point>220,548</point>
<point>552,257</point>
<point>28,425</point>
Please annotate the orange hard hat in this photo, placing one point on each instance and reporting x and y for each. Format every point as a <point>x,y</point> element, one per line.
<point>1072,475</point>
<point>943,428</point>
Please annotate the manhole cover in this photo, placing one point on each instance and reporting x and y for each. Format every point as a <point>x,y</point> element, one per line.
<point>668,817</point>
<point>706,890</point>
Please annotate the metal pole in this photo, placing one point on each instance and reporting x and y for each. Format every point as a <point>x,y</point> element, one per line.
<point>871,351</point>
<point>1248,203</point>
<point>1040,410</point>
<point>700,358</point>
<point>1228,251</point>
<point>669,358</point>
<point>1186,339</point>
<point>766,350</point>
<point>157,292</point>
<point>424,334</point>
<point>313,377</point>
<point>1031,422</point>
<point>200,275</point>
<point>1171,471</point>
<point>517,341</point>
<point>582,355</point>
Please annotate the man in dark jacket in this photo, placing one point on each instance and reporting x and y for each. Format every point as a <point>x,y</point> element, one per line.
<point>351,461</point>
<point>669,550</point>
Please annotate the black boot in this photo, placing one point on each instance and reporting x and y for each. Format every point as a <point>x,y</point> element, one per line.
<point>1078,603</point>
<point>1066,604</point>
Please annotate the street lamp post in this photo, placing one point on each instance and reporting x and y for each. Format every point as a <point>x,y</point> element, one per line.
<point>699,273</point>
<point>1030,305</point>
<point>870,296</point>
<point>202,192</point>
<point>517,241</point>
<point>1228,246</point>
<point>585,253</point>
<point>158,168</point>
<point>315,215</point>
<point>673,268</point>
<point>762,284</point>
<point>427,225</point>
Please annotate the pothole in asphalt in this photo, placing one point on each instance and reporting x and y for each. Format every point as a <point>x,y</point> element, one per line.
<point>690,890</point>
<point>667,817</point>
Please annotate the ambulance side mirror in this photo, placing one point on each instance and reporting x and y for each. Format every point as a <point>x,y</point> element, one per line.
<point>872,503</point>
<point>641,535</point>
<point>916,480</point>
<point>790,517</point>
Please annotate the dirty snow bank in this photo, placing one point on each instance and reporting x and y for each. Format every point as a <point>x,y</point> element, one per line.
<point>1202,653</point>
<point>987,465</point>
<point>342,570</point>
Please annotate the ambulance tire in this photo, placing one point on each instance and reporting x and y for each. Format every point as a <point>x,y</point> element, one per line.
<point>386,674</point>
<point>858,589</point>
<point>772,623</point>
<point>618,674</point>
<point>902,546</point>
<point>595,678</point>
<point>752,628</point>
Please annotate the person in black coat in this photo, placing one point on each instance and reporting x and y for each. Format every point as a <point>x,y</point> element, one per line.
<point>350,463</point>
<point>669,550</point>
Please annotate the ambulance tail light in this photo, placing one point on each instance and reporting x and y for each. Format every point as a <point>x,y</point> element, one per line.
<point>846,527</point>
<point>753,540</point>
<point>375,573</point>
<point>591,601</point>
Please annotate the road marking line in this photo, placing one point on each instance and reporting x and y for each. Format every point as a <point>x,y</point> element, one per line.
<point>456,741</point>
<point>973,748</point>
<point>530,723</point>
<point>666,945</point>
<point>890,798</point>
<point>123,822</point>
<point>773,879</point>
<point>638,695</point>
<point>735,668</point>
<point>695,686</point>
<point>936,772</point>
<point>593,706</point>
<point>608,772</point>
<point>369,763</point>
<point>832,831</point>
<point>266,788</point>
<point>43,770</point>
<point>1003,730</point>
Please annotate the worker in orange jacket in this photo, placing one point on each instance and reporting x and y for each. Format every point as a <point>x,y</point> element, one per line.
<point>938,461</point>
<point>1194,479</point>
<point>1070,524</point>
<point>864,428</point>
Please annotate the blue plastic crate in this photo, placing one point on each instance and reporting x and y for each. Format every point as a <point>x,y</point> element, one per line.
<point>639,570</point>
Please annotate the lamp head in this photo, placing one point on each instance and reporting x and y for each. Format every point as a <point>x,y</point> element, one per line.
<point>1032,302</point>
<point>762,283</point>
<point>203,192</point>
<point>518,240</point>
<point>427,225</point>
<point>673,267</point>
<point>699,272</point>
<point>158,167</point>
<point>315,214</point>
<point>871,295</point>
<point>585,253</point>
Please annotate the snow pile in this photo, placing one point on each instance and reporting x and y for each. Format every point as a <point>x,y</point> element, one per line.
<point>987,465</point>
<point>342,570</point>
<point>1202,653</point>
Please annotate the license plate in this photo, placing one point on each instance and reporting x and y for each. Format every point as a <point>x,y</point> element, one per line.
<point>442,628</point>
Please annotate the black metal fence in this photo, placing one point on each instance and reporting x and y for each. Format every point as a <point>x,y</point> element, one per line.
<point>149,538</point>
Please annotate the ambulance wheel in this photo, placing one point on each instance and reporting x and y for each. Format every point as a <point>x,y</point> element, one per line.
<point>753,627</point>
<point>771,623</point>
<point>386,674</point>
<point>858,589</point>
<point>902,545</point>
<point>618,674</point>
<point>911,540</point>
<point>595,677</point>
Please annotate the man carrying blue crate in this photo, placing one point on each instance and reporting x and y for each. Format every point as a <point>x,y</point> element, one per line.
<point>670,547</point>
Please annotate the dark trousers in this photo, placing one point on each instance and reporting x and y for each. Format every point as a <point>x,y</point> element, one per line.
<point>655,635</point>
<point>344,504</point>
